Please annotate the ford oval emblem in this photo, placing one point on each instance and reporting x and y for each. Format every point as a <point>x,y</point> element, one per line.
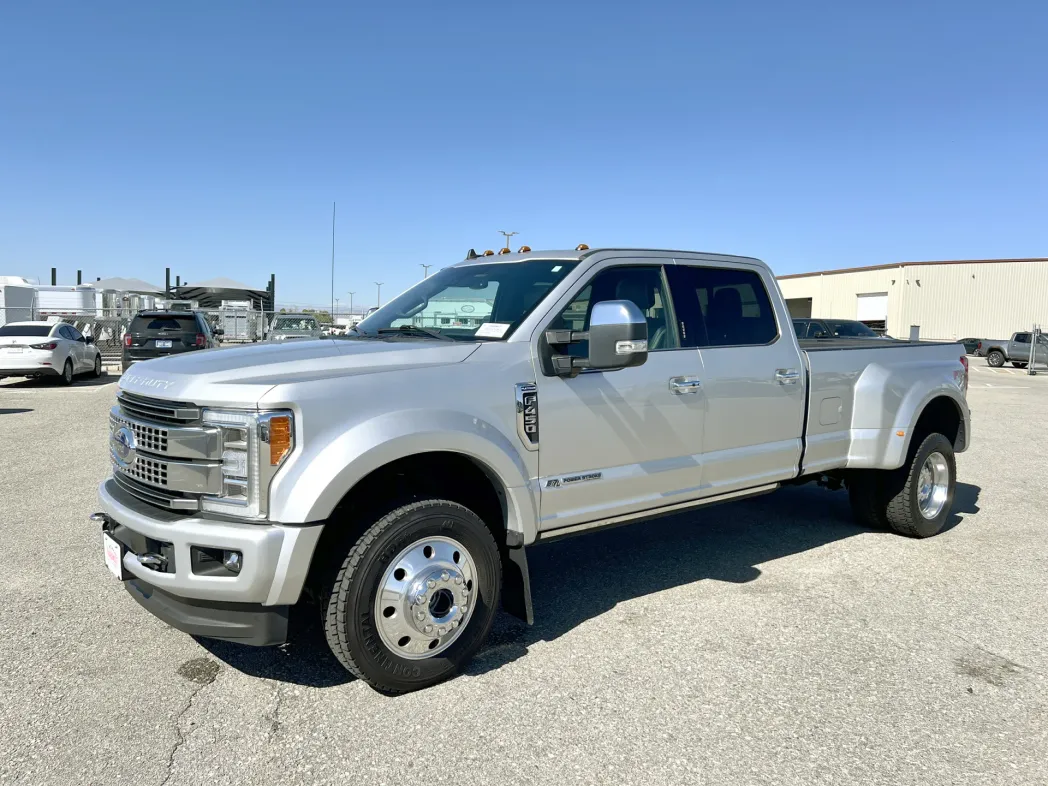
<point>468,309</point>
<point>122,446</point>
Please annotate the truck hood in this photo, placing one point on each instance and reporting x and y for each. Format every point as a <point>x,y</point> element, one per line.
<point>240,376</point>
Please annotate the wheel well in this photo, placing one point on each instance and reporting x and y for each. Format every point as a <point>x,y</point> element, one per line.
<point>940,416</point>
<point>437,474</point>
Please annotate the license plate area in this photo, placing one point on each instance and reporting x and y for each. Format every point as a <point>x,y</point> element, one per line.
<point>113,552</point>
<point>163,343</point>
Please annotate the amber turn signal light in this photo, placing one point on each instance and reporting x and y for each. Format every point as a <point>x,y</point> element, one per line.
<point>279,439</point>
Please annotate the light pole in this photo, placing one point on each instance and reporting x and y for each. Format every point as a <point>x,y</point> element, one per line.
<point>425,269</point>
<point>379,298</point>
<point>336,311</point>
<point>508,236</point>
<point>351,294</point>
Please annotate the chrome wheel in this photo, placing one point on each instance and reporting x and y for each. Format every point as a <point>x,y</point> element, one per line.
<point>425,598</point>
<point>933,485</point>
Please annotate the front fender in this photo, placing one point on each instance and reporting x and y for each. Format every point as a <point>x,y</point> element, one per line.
<point>318,480</point>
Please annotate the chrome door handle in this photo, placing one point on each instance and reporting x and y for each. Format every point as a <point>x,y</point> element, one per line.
<point>682,385</point>
<point>787,376</point>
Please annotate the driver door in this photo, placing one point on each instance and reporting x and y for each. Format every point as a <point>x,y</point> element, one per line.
<point>622,441</point>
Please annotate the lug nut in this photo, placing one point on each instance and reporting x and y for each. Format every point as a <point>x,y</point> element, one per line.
<point>442,630</point>
<point>458,579</point>
<point>431,584</point>
<point>454,623</point>
<point>420,615</point>
<point>445,576</point>
<point>428,629</point>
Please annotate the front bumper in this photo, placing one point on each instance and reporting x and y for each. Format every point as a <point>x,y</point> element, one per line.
<point>243,623</point>
<point>276,560</point>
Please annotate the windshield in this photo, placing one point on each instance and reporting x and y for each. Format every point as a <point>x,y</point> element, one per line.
<point>851,329</point>
<point>470,302</point>
<point>295,323</point>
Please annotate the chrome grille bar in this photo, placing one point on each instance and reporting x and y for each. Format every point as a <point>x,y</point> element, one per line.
<point>191,442</point>
<point>156,410</point>
<point>155,496</point>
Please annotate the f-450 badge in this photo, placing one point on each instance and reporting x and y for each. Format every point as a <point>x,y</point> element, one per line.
<point>528,414</point>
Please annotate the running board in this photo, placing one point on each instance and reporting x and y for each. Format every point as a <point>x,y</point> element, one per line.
<point>652,513</point>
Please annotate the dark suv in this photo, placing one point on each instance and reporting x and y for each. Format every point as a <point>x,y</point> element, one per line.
<point>156,334</point>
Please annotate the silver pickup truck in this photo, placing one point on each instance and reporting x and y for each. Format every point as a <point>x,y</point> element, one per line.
<point>395,477</point>
<point>1016,350</point>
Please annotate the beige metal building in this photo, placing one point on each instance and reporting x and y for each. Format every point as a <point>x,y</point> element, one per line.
<point>982,298</point>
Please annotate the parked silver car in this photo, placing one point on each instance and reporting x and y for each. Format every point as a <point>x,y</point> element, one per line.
<point>289,326</point>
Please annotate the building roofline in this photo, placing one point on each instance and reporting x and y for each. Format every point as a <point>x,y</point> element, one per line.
<point>909,264</point>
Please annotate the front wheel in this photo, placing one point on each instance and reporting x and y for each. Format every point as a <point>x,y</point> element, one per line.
<point>995,358</point>
<point>415,597</point>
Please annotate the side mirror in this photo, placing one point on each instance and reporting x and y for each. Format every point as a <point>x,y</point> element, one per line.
<point>618,338</point>
<point>219,332</point>
<point>89,340</point>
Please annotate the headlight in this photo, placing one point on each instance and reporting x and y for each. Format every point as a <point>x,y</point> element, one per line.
<point>254,445</point>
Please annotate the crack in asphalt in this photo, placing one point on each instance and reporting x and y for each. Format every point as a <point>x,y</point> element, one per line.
<point>275,723</point>
<point>180,738</point>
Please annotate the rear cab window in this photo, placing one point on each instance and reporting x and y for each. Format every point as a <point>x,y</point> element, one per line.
<point>721,307</point>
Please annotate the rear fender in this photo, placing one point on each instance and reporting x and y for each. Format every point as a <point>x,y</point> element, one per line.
<point>885,444</point>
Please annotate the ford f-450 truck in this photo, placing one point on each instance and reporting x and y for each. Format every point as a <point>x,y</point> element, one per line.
<point>396,476</point>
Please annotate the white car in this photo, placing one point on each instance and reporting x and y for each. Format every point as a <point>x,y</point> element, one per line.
<point>39,349</point>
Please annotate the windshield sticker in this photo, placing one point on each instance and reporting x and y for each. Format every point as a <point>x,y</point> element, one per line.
<point>492,330</point>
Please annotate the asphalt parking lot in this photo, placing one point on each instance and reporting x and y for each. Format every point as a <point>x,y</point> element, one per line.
<point>767,642</point>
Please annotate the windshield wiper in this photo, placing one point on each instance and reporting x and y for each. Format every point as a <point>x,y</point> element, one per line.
<point>414,330</point>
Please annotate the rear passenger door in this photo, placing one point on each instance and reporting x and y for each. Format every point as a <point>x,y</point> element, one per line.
<point>752,372</point>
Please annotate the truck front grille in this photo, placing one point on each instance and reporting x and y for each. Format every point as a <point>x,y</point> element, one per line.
<point>160,497</point>
<point>147,471</point>
<point>151,439</point>
<point>156,410</point>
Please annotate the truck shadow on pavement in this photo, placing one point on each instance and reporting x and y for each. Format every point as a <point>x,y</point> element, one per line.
<point>586,576</point>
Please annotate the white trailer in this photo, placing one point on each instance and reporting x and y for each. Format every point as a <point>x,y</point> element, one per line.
<point>17,300</point>
<point>62,301</point>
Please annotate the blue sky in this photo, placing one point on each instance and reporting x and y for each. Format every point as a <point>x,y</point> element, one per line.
<point>213,137</point>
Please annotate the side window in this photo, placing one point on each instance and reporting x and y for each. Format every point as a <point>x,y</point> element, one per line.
<point>641,284</point>
<point>1022,338</point>
<point>67,332</point>
<point>73,333</point>
<point>817,330</point>
<point>799,327</point>
<point>722,307</point>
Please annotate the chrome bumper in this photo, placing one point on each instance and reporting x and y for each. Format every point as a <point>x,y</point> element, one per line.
<point>276,557</point>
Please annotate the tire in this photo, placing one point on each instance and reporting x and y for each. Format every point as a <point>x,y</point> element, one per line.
<point>97,372</point>
<point>1018,365</point>
<point>67,374</point>
<point>995,358</point>
<point>904,505</point>
<point>867,497</point>
<point>364,637</point>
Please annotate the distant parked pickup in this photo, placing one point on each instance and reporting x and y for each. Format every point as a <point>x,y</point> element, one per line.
<point>1015,351</point>
<point>395,477</point>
